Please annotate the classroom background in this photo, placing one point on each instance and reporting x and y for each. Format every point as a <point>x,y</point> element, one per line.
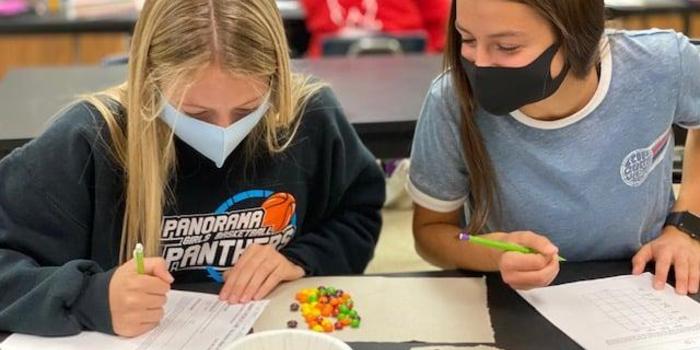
<point>74,46</point>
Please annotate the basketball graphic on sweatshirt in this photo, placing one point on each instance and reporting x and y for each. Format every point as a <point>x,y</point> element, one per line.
<point>279,209</point>
<point>218,238</point>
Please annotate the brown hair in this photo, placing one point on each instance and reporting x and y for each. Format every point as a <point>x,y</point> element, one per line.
<point>579,26</point>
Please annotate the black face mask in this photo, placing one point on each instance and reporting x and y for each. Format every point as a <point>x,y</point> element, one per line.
<point>500,90</point>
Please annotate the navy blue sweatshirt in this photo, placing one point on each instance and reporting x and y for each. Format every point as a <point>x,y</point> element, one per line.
<point>62,205</point>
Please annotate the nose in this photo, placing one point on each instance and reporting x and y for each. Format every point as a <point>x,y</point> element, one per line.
<point>222,119</point>
<point>482,57</point>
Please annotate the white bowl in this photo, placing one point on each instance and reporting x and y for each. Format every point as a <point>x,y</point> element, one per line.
<point>288,339</point>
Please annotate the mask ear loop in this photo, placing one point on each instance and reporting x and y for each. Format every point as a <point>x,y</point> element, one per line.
<point>559,79</point>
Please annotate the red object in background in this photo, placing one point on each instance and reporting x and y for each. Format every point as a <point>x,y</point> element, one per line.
<point>326,17</point>
<point>13,7</point>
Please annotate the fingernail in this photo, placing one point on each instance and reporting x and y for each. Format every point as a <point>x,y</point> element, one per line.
<point>658,285</point>
<point>233,299</point>
<point>245,299</point>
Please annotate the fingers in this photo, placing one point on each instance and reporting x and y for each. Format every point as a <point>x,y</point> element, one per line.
<point>150,285</point>
<point>153,316</point>
<point>693,275</point>
<point>663,264</point>
<point>157,267</point>
<point>537,242</point>
<point>681,267</point>
<point>244,273</point>
<point>527,279</point>
<point>264,270</point>
<point>232,276</point>
<point>513,261</point>
<point>260,269</point>
<point>136,329</point>
<point>270,283</point>
<point>151,302</point>
<point>641,259</point>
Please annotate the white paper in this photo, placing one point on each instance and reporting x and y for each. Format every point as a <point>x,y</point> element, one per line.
<point>192,321</point>
<point>645,3</point>
<point>622,312</point>
<point>397,309</point>
<point>448,347</point>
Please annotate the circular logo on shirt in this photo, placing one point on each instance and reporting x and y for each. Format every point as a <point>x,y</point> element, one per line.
<point>636,167</point>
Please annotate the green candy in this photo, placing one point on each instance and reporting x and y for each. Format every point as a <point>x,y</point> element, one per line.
<point>343,309</point>
<point>312,298</point>
<point>330,290</point>
<point>355,323</point>
<point>341,316</point>
<point>353,313</point>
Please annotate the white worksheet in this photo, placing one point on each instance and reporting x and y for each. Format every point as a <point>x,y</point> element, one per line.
<point>192,321</point>
<point>622,312</point>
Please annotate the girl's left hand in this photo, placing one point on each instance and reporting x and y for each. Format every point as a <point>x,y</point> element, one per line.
<point>259,270</point>
<point>676,248</point>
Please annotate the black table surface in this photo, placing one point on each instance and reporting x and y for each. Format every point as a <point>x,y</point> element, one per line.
<point>31,23</point>
<point>381,96</point>
<point>516,324</point>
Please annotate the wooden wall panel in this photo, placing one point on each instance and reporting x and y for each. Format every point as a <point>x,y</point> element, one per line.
<point>93,48</point>
<point>34,50</point>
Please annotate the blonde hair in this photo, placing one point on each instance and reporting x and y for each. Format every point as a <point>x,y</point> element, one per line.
<point>173,39</point>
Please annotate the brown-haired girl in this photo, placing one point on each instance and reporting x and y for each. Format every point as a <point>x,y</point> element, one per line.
<point>557,135</point>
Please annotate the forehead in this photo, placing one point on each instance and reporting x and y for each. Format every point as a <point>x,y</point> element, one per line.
<point>212,86</point>
<point>499,17</point>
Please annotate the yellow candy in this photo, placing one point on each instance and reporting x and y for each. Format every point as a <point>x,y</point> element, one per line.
<point>317,328</point>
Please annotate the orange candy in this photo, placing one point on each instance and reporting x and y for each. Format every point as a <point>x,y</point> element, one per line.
<point>328,328</point>
<point>327,311</point>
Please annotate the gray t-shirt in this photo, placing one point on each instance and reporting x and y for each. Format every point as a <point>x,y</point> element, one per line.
<point>597,183</point>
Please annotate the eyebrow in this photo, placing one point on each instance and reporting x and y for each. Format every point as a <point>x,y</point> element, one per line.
<point>509,33</point>
<point>239,107</point>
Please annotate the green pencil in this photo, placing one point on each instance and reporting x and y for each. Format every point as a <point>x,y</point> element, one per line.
<point>505,246</point>
<point>138,256</point>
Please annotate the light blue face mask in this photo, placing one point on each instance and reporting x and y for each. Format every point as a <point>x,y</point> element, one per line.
<point>212,141</point>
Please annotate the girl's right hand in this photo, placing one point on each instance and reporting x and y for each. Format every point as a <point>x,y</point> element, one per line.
<point>136,301</point>
<point>527,271</point>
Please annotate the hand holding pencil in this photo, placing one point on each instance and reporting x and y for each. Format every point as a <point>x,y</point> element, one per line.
<point>526,260</point>
<point>137,294</point>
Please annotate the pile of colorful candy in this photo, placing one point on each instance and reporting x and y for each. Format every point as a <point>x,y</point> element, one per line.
<point>319,306</point>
